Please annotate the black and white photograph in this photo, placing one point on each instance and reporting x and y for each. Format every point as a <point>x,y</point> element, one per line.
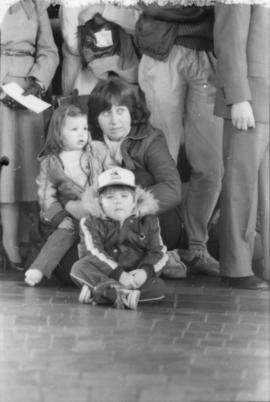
<point>134,201</point>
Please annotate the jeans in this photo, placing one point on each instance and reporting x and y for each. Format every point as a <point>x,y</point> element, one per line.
<point>55,248</point>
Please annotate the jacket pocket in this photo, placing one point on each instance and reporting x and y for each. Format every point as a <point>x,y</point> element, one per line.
<point>256,69</point>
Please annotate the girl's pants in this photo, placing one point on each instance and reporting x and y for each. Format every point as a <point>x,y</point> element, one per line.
<point>244,199</point>
<point>55,248</point>
<point>88,271</point>
<point>180,95</point>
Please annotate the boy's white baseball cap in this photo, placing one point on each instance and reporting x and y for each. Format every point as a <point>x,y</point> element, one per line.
<point>116,176</point>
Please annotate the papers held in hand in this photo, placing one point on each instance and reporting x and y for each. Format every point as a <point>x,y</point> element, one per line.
<point>30,101</point>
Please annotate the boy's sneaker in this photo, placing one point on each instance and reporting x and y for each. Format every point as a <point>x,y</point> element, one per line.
<point>199,260</point>
<point>33,276</point>
<point>127,298</point>
<point>85,295</point>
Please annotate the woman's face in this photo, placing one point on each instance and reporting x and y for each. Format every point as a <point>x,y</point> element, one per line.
<point>115,123</point>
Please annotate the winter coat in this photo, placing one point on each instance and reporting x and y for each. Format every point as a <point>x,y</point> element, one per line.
<point>137,244</point>
<point>55,188</point>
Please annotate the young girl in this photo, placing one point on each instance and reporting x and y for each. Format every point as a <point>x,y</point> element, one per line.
<point>69,164</point>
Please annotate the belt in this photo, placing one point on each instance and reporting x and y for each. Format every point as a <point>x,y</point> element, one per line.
<point>16,53</point>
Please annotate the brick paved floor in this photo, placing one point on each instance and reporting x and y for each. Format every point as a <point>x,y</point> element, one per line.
<point>204,343</point>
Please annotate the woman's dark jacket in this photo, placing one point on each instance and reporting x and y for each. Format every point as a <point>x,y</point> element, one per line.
<point>145,152</point>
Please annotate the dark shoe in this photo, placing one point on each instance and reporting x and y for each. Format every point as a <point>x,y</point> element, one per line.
<point>246,282</point>
<point>153,290</point>
<point>11,265</point>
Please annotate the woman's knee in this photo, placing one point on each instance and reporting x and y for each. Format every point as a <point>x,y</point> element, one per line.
<point>172,228</point>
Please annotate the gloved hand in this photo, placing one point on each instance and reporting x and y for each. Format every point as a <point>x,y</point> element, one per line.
<point>11,103</point>
<point>34,88</point>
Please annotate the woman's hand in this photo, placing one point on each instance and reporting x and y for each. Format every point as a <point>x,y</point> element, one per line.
<point>66,224</point>
<point>75,209</point>
<point>127,280</point>
<point>34,88</point>
<point>140,277</point>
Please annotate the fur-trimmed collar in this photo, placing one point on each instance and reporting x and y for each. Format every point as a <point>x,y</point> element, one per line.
<point>146,203</point>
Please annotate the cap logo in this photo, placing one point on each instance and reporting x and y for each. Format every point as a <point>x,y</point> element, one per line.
<point>114,175</point>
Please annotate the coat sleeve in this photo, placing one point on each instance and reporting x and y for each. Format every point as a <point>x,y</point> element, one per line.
<point>91,233</point>
<point>230,40</point>
<point>46,56</point>
<point>155,256</point>
<point>51,209</point>
<point>160,164</point>
<point>69,21</point>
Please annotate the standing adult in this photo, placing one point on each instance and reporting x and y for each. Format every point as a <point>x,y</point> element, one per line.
<point>242,42</point>
<point>29,58</point>
<point>176,73</point>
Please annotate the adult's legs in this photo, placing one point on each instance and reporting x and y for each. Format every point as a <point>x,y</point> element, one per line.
<point>180,96</point>
<point>263,212</point>
<point>203,142</point>
<point>10,230</point>
<point>244,152</point>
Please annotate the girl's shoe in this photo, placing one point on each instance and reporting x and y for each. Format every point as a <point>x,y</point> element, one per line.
<point>11,265</point>
<point>85,295</point>
<point>33,276</point>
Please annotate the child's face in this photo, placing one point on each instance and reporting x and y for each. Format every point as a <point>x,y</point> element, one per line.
<point>115,123</point>
<point>75,133</point>
<point>117,203</point>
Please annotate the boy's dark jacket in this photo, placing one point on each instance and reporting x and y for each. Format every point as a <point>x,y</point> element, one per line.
<point>159,28</point>
<point>137,244</point>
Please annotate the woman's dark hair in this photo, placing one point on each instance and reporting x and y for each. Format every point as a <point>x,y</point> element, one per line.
<point>115,91</point>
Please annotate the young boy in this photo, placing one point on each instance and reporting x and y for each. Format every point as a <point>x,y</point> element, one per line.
<point>124,249</point>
